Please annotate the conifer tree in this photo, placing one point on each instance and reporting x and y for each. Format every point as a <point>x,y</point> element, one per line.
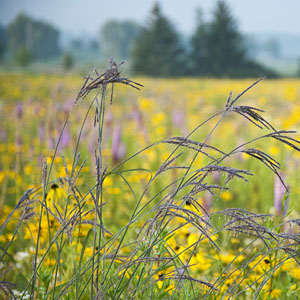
<point>217,48</point>
<point>157,50</point>
<point>226,50</point>
<point>3,41</point>
<point>199,50</point>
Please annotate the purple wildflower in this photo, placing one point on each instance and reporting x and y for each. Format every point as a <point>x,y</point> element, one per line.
<point>118,148</point>
<point>41,132</point>
<point>179,120</point>
<point>279,192</point>
<point>19,110</point>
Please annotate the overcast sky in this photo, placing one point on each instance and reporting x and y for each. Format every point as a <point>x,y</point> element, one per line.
<point>86,16</point>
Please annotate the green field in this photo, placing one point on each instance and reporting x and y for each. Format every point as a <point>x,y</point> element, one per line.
<point>148,209</point>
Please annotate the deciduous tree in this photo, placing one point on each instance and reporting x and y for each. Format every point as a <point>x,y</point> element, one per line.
<point>39,38</point>
<point>117,37</point>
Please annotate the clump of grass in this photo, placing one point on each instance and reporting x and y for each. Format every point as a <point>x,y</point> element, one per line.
<point>172,245</point>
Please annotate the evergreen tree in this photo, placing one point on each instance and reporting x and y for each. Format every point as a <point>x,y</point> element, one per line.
<point>218,48</point>
<point>226,52</point>
<point>199,50</point>
<point>158,51</point>
<point>3,41</point>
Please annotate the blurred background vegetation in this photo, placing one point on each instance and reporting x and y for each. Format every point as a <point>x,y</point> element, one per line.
<point>216,48</point>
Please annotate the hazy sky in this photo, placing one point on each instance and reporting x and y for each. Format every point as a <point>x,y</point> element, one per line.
<point>86,16</point>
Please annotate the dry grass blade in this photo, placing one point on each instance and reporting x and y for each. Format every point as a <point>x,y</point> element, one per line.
<point>243,222</point>
<point>185,277</point>
<point>241,213</point>
<point>165,165</point>
<point>24,198</point>
<point>197,146</point>
<point>130,263</point>
<point>201,187</point>
<point>7,287</point>
<point>250,113</point>
<point>230,103</point>
<point>188,215</point>
<point>266,159</point>
<point>232,172</point>
<point>79,171</point>
<point>288,141</point>
<point>58,218</point>
<point>190,201</point>
<point>66,168</point>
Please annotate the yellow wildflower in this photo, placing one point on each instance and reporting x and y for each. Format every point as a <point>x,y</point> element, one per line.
<point>226,196</point>
<point>275,293</point>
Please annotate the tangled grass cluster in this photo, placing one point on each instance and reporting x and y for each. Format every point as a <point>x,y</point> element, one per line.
<point>175,243</point>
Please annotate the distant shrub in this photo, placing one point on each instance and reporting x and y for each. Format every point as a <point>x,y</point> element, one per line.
<point>67,61</point>
<point>23,57</point>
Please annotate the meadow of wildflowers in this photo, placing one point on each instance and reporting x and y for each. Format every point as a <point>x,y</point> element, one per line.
<point>130,205</point>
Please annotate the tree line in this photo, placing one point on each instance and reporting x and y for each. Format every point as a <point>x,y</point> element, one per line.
<point>216,47</point>
<point>27,39</point>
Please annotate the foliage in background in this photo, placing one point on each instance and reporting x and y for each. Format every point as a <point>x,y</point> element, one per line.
<point>216,48</point>
<point>67,61</point>
<point>3,41</point>
<point>117,38</point>
<point>23,57</point>
<point>39,38</point>
<point>298,73</point>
